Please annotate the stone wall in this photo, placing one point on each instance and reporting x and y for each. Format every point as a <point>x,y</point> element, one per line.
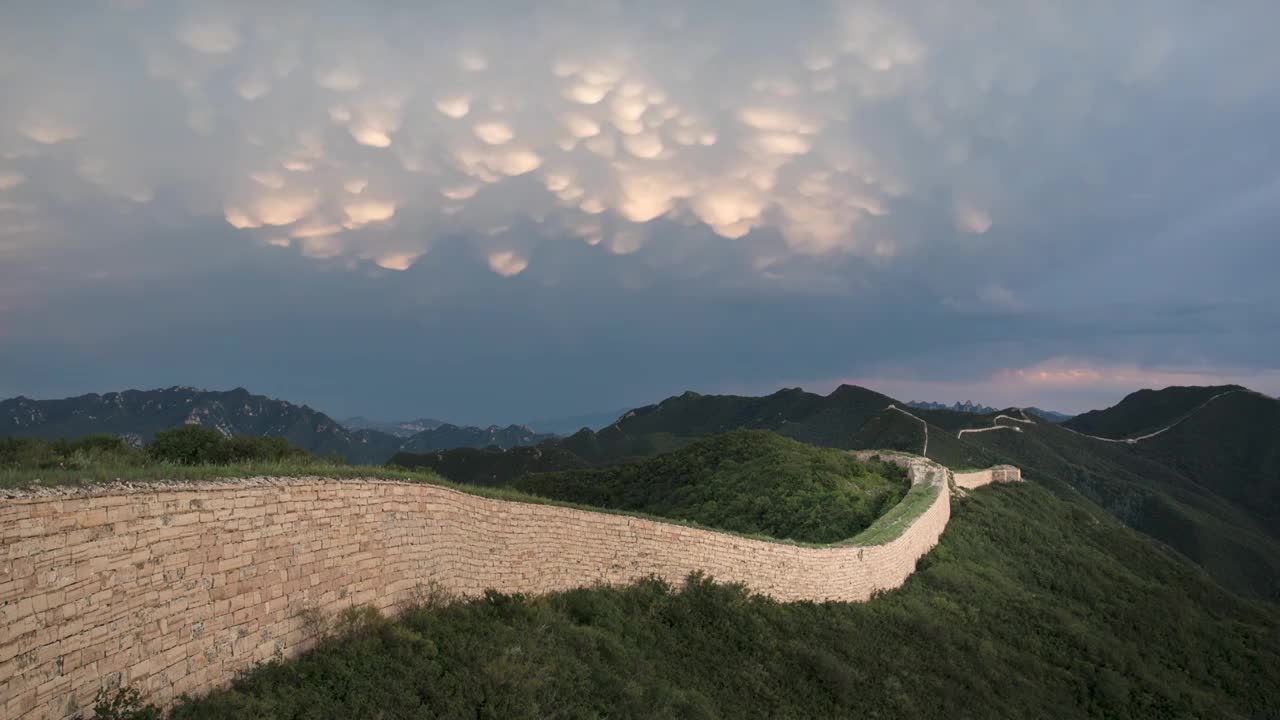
<point>175,589</point>
<point>999,473</point>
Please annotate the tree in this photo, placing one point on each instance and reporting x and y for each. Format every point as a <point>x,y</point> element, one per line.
<point>186,445</point>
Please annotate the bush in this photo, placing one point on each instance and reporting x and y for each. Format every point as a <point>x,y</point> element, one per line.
<point>197,445</point>
<point>256,449</point>
<point>123,704</point>
<point>186,445</point>
<point>28,453</point>
<point>25,452</point>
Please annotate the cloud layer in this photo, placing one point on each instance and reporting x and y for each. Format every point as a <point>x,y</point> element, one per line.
<point>1005,163</point>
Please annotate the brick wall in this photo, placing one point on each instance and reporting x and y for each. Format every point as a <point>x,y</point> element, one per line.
<point>175,589</point>
<point>999,473</point>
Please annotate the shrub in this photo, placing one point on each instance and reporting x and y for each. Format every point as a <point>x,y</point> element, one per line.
<point>256,449</point>
<point>123,704</point>
<point>25,452</point>
<point>186,445</point>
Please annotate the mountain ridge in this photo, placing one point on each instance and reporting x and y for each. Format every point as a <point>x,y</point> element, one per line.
<point>138,415</point>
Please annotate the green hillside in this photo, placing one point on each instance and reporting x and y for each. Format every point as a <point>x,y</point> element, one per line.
<point>746,481</point>
<point>1145,411</point>
<point>1230,447</point>
<point>825,420</point>
<point>1150,496</point>
<point>1032,606</point>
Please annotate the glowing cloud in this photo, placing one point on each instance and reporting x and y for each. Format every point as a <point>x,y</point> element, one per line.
<point>585,94</point>
<point>580,126</point>
<point>507,263</point>
<point>400,261</point>
<point>517,162</point>
<point>48,131</point>
<point>646,146</point>
<point>454,106</point>
<point>493,133</point>
<point>370,136</point>
<point>282,209</point>
<point>367,211</point>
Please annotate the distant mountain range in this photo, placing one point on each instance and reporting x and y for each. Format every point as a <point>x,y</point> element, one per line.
<point>399,428</point>
<point>139,414</point>
<point>965,406</point>
<point>969,407</point>
<point>572,423</point>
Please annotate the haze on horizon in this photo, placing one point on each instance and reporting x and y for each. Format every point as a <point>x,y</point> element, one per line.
<point>491,212</point>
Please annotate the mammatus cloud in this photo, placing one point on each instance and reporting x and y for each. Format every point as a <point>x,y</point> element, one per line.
<point>625,189</point>
<point>860,120</point>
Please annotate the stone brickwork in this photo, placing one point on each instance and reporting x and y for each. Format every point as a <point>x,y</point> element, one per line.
<point>999,473</point>
<point>175,589</point>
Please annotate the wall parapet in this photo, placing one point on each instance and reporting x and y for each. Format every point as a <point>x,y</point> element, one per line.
<point>176,588</point>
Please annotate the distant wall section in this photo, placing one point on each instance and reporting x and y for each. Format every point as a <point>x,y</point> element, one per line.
<point>978,478</point>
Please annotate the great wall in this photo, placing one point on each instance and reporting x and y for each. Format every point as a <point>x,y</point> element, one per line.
<point>175,589</point>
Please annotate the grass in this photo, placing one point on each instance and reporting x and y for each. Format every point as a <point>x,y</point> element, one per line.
<point>894,522</point>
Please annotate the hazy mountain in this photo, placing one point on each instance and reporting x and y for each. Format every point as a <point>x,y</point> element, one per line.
<point>447,436</point>
<point>140,414</point>
<point>1050,415</point>
<point>398,428</point>
<point>969,407</point>
<point>572,423</point>
<point>965,406</point>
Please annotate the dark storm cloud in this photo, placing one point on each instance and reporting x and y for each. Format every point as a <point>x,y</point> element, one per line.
<point>494,213</point>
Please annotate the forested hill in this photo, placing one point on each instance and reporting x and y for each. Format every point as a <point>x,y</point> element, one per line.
<point>1146,411</point>
<point>139,414</point>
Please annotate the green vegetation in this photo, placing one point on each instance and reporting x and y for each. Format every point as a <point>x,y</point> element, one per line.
<point>899,517</point>
<point>1145,411</point>
<point>1150,496</point>
<point>1032,606</point>
<point>489,466</point>
<point>748,481</point>
<point>198,445</point>
<point>1230,447</point>
<point>185,453</point>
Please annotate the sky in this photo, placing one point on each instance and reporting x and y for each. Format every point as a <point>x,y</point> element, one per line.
<point>495,211</point>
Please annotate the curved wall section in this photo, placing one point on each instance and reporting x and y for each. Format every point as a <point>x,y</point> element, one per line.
<point>175,589</point>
